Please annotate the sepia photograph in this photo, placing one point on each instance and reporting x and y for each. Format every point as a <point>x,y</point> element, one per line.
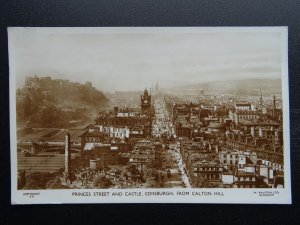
<point>149,115</point>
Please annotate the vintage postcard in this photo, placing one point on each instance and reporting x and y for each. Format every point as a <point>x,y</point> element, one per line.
<point>149,115</point>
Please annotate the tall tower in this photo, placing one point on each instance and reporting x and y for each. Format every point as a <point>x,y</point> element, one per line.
<point>68,157</point>
<point>146,103</point>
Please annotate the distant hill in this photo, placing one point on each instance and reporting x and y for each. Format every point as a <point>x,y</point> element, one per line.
<point>47,102</point>
<point>241,87</point>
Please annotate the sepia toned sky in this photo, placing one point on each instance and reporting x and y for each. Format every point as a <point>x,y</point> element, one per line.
<point>128,60</point>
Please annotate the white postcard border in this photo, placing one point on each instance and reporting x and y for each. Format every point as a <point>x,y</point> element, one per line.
<point>217,195</point>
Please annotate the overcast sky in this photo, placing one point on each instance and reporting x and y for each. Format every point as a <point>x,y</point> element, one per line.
<point>135,60</point>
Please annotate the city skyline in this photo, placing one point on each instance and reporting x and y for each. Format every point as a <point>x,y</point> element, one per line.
<point>129,60</point>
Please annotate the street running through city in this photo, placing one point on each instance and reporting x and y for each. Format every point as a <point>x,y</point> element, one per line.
<point>163,128</point>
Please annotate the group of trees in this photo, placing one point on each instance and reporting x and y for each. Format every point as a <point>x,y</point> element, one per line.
<point>48,116</point>
<point>52,116</point>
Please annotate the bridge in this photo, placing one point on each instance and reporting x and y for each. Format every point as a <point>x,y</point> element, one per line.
<point>39,147</point>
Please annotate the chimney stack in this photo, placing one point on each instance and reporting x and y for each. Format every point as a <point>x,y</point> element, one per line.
<point>68,156</point>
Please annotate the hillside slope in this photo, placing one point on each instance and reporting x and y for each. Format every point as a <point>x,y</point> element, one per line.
<point>44,102</point>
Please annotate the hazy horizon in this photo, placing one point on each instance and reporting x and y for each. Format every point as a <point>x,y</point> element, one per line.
<point>141,89</point>
<point>132,61</point>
